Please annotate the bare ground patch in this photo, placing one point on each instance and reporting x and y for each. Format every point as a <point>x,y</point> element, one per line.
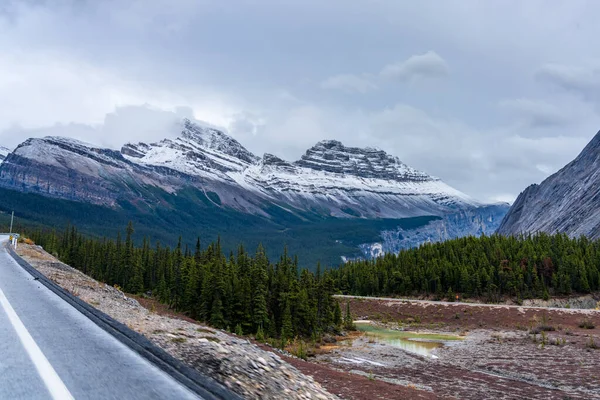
<point>508,352</point>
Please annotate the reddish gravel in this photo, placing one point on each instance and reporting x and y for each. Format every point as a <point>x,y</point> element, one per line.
<point>352,386</point>
<point>498,359</point>
<point>461,316</point>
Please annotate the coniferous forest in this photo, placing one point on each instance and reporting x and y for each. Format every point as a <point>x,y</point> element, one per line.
<point>490,268</point>
<point>246,293</point>
<point>241,292</point>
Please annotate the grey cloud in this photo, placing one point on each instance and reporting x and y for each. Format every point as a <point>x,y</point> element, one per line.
<point>584,80</point>
<point>461,154</point>
<point>143,123</point>
<point>251,66</point>
<point>416,67</point>
<point>537,113</point>
<point>427,65</point>
<point>349,83</point>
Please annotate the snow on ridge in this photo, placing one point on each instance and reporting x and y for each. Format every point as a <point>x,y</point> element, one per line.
<point>3,153</point>
<point>368,179</point>
<point>69,141</point>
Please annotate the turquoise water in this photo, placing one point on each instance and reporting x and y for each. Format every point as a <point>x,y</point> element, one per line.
<point>414,342</point>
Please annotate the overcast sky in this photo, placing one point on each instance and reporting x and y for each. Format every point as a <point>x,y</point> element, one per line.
<point>491,96</point>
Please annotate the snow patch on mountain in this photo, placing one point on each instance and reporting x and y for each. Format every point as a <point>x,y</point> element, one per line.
<point>3,153</point>
<point>355,182</point>
<point>198,151</point>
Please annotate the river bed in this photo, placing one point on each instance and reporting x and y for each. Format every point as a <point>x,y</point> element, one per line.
<point>421,343</point>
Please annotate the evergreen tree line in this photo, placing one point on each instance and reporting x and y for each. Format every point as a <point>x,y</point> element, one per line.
<point>489,267</point>
<point>241,292</point>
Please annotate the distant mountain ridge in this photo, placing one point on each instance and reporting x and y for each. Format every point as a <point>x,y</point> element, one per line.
<point>330,179</point>
<point>203,181</point>
<point>567,201</point>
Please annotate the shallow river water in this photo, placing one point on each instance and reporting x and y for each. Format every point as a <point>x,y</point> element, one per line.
<point>414,342</point>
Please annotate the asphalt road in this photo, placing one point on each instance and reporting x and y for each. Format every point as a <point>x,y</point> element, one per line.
<point>49,350</point>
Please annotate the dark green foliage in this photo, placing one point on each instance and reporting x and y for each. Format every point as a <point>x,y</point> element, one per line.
<point>489,267</point>
<point>337,314</point>
<point>348,320</point>
<point>350,211</point>
<point>246,293</point>
<point>260,335</point>
<point>238,330</point>
<point>587,324</point>
<point>214,197</point>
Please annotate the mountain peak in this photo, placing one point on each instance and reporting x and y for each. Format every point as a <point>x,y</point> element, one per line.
<point>332,156</point>
<point>214,139</point>
<point>329,144</point>
<point>270,159</point>
<point>591,151</point>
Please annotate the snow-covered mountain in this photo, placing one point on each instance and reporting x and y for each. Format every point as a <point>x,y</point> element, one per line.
<point>204,182</point>
<point>70,169</point>
<point>350,181</point>
<point>568,201</point>
<point>329,180</point>
<point>3,153</point>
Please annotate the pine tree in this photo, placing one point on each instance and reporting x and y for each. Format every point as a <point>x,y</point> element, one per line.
<point>287,330</point>
<point>337,315</point>
<point>348,320</point>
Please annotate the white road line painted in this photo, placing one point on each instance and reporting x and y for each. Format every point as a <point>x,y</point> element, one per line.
<point>55,385</point>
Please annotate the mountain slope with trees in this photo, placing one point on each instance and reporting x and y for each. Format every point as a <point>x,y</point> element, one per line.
<point>489,267</point>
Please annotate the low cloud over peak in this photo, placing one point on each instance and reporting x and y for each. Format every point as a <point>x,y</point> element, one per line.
<point>420,66</point>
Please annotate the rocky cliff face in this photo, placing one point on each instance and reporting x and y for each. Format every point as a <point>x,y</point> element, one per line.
<point>568,201</point>
<point>475,221</point>
<point>330,179</point>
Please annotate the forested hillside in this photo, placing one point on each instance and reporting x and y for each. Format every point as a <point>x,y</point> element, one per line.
<point>489,267</point>
<point>314,239</point>
<point>242,292</point>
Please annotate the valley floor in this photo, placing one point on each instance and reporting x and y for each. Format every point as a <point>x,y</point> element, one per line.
<point>498,357</point>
